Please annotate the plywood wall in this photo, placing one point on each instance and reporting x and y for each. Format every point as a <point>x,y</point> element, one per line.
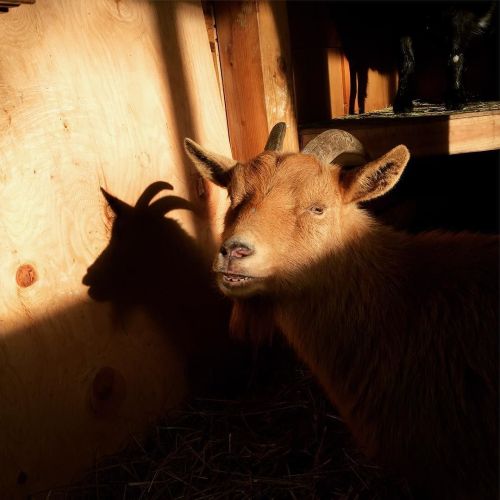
<point>97,93</point>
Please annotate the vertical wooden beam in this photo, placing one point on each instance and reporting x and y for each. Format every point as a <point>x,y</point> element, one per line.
<point>256,73</point>
<point>277,69</point>
<point>242,80</point>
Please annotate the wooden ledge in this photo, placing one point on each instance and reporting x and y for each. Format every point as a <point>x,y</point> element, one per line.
<point>429,130</point>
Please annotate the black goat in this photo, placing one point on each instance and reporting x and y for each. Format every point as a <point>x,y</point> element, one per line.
<point>452,25</point>
<point>375,34</point>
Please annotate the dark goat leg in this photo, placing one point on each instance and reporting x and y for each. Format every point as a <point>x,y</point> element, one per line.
<point>403,101</point>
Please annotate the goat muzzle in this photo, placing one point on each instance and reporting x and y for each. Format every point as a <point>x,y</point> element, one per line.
<point>235,250</point>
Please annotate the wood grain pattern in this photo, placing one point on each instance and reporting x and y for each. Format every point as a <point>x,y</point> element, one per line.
<point>256,73</point>
<point>338,79</point>
<point>238,35</point>
<point>92,93</point>
<point>277,69</point>
<point>208,11</point>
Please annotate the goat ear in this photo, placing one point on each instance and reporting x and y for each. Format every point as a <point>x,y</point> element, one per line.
<point>375,178</point>
<point>211,166</point>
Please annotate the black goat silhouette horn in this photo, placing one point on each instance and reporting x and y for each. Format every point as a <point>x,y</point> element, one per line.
<point>151,191</point>
<point>164,205</point>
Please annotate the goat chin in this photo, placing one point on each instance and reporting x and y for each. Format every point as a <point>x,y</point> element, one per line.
<point>239,286</point>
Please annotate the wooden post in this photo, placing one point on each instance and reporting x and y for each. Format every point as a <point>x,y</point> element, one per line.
<point>256,73</point>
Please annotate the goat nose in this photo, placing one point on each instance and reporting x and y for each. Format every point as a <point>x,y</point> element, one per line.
<point>235,250</point>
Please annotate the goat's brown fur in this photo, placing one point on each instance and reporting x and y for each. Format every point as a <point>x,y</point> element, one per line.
<point>401,330</point>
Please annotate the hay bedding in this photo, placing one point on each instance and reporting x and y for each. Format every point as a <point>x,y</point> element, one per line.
<point>277,438</point>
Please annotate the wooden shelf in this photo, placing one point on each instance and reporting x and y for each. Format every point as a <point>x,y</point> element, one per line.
<point>429,130</point>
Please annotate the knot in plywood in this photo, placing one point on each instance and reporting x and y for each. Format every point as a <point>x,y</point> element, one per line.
<point>108,391</point>
<point>26,275</point>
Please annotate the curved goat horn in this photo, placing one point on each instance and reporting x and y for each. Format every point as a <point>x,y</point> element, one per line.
<point>151,191</point>
<point>331,144</point>
<point>276,137</point>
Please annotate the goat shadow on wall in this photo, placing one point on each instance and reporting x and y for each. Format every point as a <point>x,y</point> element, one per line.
<point>151,262</point>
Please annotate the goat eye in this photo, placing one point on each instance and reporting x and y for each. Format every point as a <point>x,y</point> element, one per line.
<point>317,209</point>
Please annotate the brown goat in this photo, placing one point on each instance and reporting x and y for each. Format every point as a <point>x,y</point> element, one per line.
<point>401,330</point>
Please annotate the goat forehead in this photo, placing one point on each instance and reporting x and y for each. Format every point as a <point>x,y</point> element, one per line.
<point>299,167</point>
<point>286,175</point>
<point>304,179</point>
